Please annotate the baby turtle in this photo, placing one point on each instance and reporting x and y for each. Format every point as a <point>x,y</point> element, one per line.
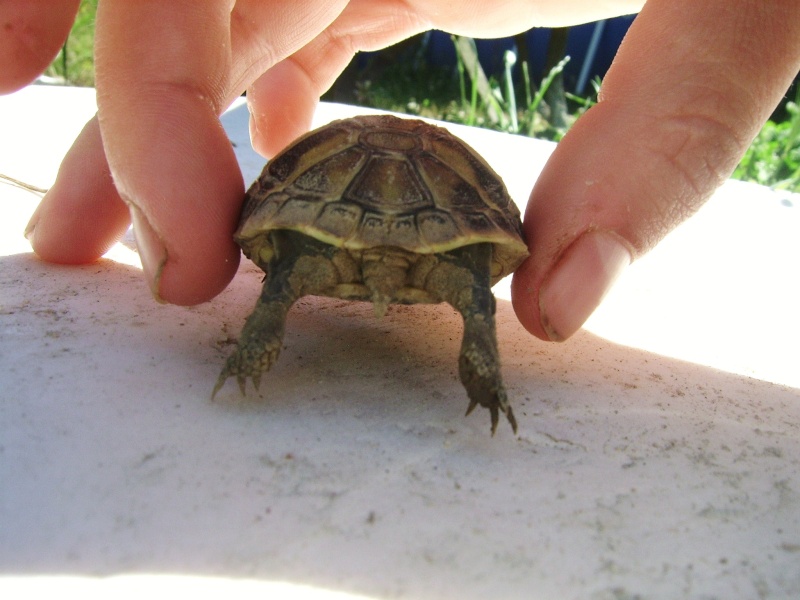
<point>386,210</point>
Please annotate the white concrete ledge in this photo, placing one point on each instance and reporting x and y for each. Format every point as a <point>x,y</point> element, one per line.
<point>657,456</point>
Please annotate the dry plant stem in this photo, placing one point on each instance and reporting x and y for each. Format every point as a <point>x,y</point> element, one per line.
<point>21,184</point>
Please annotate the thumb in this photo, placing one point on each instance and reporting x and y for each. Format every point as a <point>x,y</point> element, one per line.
<point>690,87</point>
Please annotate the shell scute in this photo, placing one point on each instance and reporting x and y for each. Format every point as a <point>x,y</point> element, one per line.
<point>437,228</point>
<point>339,220</point>
<point>331,176</point>
<point>387,184</point>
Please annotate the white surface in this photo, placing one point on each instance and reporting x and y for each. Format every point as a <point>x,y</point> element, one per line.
<point>657,456</point>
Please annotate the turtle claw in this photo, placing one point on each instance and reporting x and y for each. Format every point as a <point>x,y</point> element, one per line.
<point>241,380</point>
<point>249,361</point>
<point>472,404</point>
<point>495,405</point>
<point>223,377</point>
<point>494,415</point>
<point>238,366</point>
<point>512,420</point>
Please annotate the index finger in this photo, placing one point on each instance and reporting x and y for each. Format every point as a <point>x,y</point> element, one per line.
<point>164,73</point>
<point>32,32</point>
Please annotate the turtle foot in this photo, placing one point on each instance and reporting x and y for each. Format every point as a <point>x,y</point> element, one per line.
<point>496,403</point>
<point>250,360</point>
<point>479,369</point>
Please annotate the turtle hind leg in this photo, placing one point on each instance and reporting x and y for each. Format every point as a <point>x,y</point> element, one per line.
<point>300,266</point>
<point>462,278</point>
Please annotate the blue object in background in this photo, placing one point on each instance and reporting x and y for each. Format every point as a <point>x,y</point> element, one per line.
<point>591,48</point>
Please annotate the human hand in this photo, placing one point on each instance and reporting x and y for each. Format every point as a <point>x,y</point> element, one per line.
<point>690,88</point>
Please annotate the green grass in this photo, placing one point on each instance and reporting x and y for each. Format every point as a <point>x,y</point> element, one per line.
<point>75,63</point>
<point>773,158</point>
<point>454,95</point>
<point>504,102</point>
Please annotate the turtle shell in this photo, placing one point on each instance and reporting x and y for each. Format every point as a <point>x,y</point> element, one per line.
<point>373,181</point>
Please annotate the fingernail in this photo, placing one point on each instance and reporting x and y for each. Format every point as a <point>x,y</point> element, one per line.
<point>31,226</point>
<point>579,280</point>
<point>152,251</point>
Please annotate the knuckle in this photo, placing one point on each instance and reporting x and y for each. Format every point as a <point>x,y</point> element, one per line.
<point>700,151</point>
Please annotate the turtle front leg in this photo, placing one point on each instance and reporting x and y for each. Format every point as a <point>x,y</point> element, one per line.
<point>300,266</point>
<point>462,279</point>
<point>260,341</point>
